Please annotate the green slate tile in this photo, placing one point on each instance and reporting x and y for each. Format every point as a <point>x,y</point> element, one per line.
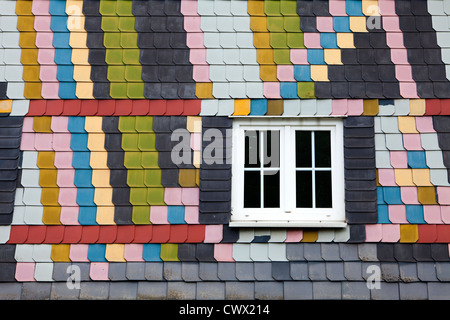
<point>278,40</point>
<point>272,7</point>
<point>107,8</point>
<point>282,56</point>
<point>149,159</point>
<point>135,178</point>
<point>292,24</point>
<point>295,40</point>
<point>275,24</point>
<point>116,73</point>
<point>124,7</point>
<point>130,56</point>
<point>127,124</point>
<point>132,160</point>
<point>135,90</point>
<point>146,141</point>
<point>305,90</point>
<point>138,196</point>
<point>144,124</point>
<point>126,24</point>
<point>113,56</point>
<point>152,178</point>
<point>128,40</point>
<point>133,73</point>
<point>130,142</point>
<point>118,90</point>
<point>112,40</point>
<point>141,215</point>
<point>110,24</point>
<point>169,252</point>
<point>288,7</point>
<point>155,196</point>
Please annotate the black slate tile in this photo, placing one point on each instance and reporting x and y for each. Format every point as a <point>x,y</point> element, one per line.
<point>7,253</point>
<point>385,252</point>
<point>336,73</point>
<point>229,235</point>
<point>386,73</point>
<point>320,8</point>
<point>169,90</point>
<point>382,56</point>
<point>169,178</point>
<point>281,271</point>
<point>418,8</point>
<point>403,252</point>
<point>349,56</point>
<point>437,72</point>
<point>7,271</point>
<point>186,90</point>
<point>161,40</point>
<point>416,56</point>
<point>408,24</point>
<point>441,89</point>
<point>358,232</point>
<point>403,7</point>
<point>361,40</point>
<point>425,90</point>
<point>305,8</point>
<point>172,8</point>
<point>428,40</point>
<point>150,73</point>
<point>439,252</point>
<point>123,214</point>
<point>121,197</point>
<point>205,252</point>
<point>357,90</point>
<point>146,40</point>
<point>308,23</point>
<point>101,90</point>
<point>187,252</point>
<point>155,8</point>
<point>323,89</point>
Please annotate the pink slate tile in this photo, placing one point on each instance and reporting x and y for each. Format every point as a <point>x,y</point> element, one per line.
<point>391,24</point>
<point>391,232</point>
<point>191,214</point>
<point>409,195</point>
<point>63,160</point>
<point>386,7</point>
<point>408,90</point>
<point>197,56</point>
<point>443,194</point>
<point>432,214</point>
<point>339,107</point>
<point>172,196</point>
<point>294,235</point>
<point>337,8</point>
<point>27,141</point>
<point>28,124</point>
<point>190,196</point>
<point>311,40</point>
<point>386,177</point>
<point>194,40</point>
<point>42,23</point>
<point>188,7</point>
<point>41,7</point>
<point>395,40</point>
<point>69,216</point>
<point>25,271</point>
<point>68,197</point>
<point>99,271</point>
<point>50,90</point>
<point>192,24</point>
<point>133,252</point>
<point>61,141</point>
<point>324,24</point>
<point>223,252</point>
<point>158,215</point>
<point>397,214</point>
<point>46,56</point>
<point>213,233</point>
<point>355,107</point>
<point>43,141</point>
<point>374,232</point>
<point>44,40</point>
<point>299,56</point>
<point>445,214</point>
<point>272,90</point>
<point>399,56</point>
<point>65,178</point>
<point>285,72</point>
<point>200,73</point>
<point>399,159</point>
<point>78,252</point>
<point>59,124</point>
<point>412,141</point>
<point>425,124</point>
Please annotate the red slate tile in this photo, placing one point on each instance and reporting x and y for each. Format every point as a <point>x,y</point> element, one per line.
<point>178,233</point>
<point>72,234</point>
<point>445,107</point>
<point>36,234</point>
<point>90,234</point>
<point>18,234</point>
<point>123,107</point>
<point>54,234</point>
<point>161,233</point>
<point>174,107</point>
<point>54,107</point>
<point>106,107</point>
<point>432,107</point>
<point>139,107</point>
<point>89,107</point>
<point>196,233</point>
<point>157,107</point>
<point>71,107</point>
<point>125,234</point>
<point>443,233</point>
<point>107,234</point>
<point>143,234</point>
<point>192,107</point>
<point>37,107</point>
<point>427,233</point>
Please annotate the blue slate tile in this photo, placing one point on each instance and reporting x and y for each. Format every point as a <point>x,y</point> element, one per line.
<point>258,107</point>
<point>383,214</point>
<point>353,7</point>
<point>175,214</point>
<point>83,178</point>
<point>392,195</point>
<point>151,252</point>
<point>341,24</point>
<point>288,90</point>
<point>76,124</point>
<point>316,56</point>
<point>87,215</point>
<point>96,252</point>
<point>417,160</point>
<point>302,73</point>
<point>85,196</point>
<point>414,214</point>
<point>328,40</point>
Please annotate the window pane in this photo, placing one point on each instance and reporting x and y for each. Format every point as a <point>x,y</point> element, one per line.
<point>252,149</point>
<point>271,148</point>
<point>272,189</point>
<point>323,189</point>
<point>322,147</point>
<point>252,189</point>
<point>304,189</point>
<point>303,149</point>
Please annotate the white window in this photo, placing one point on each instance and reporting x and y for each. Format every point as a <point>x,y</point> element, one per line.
<point>288,172</point>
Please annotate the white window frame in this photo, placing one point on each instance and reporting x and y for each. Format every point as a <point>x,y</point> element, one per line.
<point>288,215</point>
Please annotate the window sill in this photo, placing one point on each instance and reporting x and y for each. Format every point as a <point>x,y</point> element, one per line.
<point>288,224</point>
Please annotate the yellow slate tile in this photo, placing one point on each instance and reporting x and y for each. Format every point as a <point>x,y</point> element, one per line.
<point>46,159</point>
<point>426,195</point>
<point>101,178</point>
<point>310,235</point>
<point>409,233</point>
<point>358,24</point>
<point>85,90</point>
<point>186,177</point>
<point>25,23</point>
<point>80,56</point>
<point>370,107</point>
<point>93,124</point>
<point>407,124</point>
<point>32,90</point>
<point>332,56</point>
<point>265,56</point>
<point>103,196</point>
<point>258,24</point>
<point>60,253</point>
<point>194,124</point>
<point>27,40</point>
<point>47,177</point>
<point>51,215</point>
<point>29,58</point>
<point>241,107</point>
<point>115,252</point>
<point>49,196</point>
<point>96,142</point>
<point>105,215</point>
<point>268,73</point>
<point>421,177</point>
<point>261,40</point>
<point>203,90</point>
<point>416,107</point>
<point>31,73</point>
<point>255,8</point>
<point>78,39</point>
<point>319,73</point>
<point>345,40</point>
<point>5,106</point>
<point>403,177</point>
<point>99,160</point>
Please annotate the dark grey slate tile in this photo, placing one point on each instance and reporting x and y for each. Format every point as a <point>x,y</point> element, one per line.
<point>387,291</point>
<point>7,252</point>
<point>317,271</point>
<point>327,290</point>
<point>210,291</point>
<point>123,290</point>
<point>312,252</point>
<point>172,271</point>
<point>152,290</point>
<point>60,271</point>
<point>348,252</point>
<point>439,290</point>
<point>281,271</point>
<point>154,271</point>
<point>208,271</point>
<point>10,291</point>
<point>335,271</point>
<point>245,271</point>
<point>426,271</point>
<point>422,251</point>
<point>413,291</point>
<point>443,271</point>
<point>408,272</point>
<point>60,291</point>
<point>371,271</point>
<point>190,271</point>
<point>94,290</point>
<point>367,252</point>
<point>269,290</point>
<point>403,252</point>
<point>385,252</point>
<point>294,252</point>
<point>36,290</point>
<point>7,271</point>
<point>355,291</point>
<point>117,271</point>
<point>439,252</point>
<point>299,271</point>
<point>330,251</point>
<point>135,271</point>
<point>298,290</point>
<point>390,271</point>
<point>239,290</point>
<point>263,271</point>
<point>353,270</point>
<point>226,271</point>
